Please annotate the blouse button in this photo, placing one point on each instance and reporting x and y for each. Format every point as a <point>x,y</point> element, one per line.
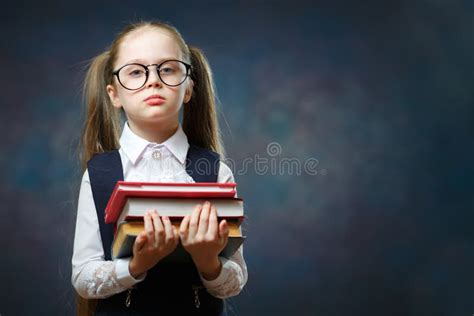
<point>156,155</point>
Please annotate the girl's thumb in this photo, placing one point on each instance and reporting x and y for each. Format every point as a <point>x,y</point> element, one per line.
<point>223,229</point>
<point>140,241</point>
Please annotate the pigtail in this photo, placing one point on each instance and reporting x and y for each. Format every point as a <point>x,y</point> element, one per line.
<point>102,125</point>
<point>199,115</point>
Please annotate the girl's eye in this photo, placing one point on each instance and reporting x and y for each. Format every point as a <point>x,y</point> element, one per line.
<point>136,72</point>
<point>167,70</point>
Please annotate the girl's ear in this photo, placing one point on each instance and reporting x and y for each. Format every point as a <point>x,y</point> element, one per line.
<point>113,95</point>
<point>189,91</point>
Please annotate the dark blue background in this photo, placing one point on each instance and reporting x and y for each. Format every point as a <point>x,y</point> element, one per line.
<point>380,93</point>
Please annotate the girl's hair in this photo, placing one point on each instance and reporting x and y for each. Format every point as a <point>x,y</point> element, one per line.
<point>102,127</point>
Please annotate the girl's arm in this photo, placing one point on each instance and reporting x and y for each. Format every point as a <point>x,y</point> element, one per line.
<point>233,275</point>
<point>92,276</point>
<point>232,278</point>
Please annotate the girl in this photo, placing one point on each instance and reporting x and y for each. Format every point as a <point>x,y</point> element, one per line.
<point>150,73</point>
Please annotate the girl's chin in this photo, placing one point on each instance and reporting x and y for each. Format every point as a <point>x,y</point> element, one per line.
<point>157,116</point>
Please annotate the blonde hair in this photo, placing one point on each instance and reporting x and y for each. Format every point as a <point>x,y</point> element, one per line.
<point>102,126</point>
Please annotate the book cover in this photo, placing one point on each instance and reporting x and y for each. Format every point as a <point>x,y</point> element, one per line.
<point>127,232</point>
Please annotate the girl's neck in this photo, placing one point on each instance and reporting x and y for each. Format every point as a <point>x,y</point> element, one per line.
<point>155,133</point>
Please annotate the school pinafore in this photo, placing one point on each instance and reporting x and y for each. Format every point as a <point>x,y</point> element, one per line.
<point>169,288</point>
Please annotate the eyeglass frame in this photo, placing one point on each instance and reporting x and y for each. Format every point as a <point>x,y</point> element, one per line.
<point>147,73</point>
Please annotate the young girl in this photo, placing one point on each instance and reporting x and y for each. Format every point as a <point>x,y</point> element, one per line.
<point>150,73</point>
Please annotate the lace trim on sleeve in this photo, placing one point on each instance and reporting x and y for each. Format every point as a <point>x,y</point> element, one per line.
<point>231,284</point>
<point>103,280</point>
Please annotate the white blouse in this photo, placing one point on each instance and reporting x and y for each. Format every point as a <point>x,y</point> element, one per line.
<point>92,275</point>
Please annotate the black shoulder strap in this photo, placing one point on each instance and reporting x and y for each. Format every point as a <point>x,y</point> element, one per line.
<point>105,169</point>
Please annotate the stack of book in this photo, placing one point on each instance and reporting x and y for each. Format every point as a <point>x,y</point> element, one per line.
<point>130,201</point>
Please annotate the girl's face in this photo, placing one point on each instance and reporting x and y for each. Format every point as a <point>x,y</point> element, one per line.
<point>149,46</point>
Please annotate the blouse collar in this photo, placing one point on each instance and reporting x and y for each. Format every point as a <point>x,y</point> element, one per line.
<point>134,146</point>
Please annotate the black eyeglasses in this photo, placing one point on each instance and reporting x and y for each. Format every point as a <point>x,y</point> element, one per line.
<point>171,72</point>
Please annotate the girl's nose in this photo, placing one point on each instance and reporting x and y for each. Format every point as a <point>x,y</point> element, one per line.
<point>153,78</point>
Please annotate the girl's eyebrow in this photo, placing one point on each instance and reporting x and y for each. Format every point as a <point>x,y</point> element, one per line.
<point>142,61</point>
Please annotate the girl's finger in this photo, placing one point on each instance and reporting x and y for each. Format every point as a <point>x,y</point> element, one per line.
<point>213,229</point>
<point>184,227</point>
<point>149,228</point>
<point>169,234</point>
<point>204,219</point>
<point>193,224</point>
<point>159,229</point>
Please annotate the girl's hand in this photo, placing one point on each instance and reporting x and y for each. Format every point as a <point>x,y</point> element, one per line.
<point>204,238</point>
<point>157,241</point>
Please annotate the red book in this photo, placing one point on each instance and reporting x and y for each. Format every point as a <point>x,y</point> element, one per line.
<point>124,190</point>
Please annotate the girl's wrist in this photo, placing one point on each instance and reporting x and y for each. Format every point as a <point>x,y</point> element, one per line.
<point>133,269</point>
<point>209,269</point>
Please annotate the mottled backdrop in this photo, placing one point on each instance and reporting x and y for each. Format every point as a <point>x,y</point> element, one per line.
<point>349,126</point>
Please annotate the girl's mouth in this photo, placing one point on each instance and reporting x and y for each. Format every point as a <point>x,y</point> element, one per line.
<point>154,101</point>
